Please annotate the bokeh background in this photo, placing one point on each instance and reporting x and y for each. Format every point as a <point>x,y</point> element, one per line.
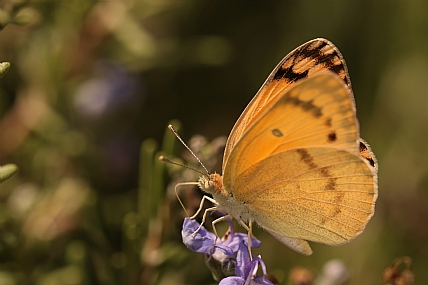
<point>93,85</point>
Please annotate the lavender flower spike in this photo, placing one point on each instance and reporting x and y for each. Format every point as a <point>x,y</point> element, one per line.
<point>246,270</point>
<point>205,242</point>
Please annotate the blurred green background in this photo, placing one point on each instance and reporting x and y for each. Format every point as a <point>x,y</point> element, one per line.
<point>93,85</point>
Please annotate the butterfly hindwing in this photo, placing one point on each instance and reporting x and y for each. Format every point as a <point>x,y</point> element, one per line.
<point>299,245</point>
<point>324,194</point>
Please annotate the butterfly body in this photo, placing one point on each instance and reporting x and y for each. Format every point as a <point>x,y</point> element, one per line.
<point>229,204</point>
<point>294,162</point>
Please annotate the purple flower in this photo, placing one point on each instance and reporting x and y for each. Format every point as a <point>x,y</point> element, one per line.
<point>220,258</point>
<point>205,242</point>
<point>246,269</point>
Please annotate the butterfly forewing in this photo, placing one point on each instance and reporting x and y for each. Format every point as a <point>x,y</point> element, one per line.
<point>318,55</point>
<point>314,113</point>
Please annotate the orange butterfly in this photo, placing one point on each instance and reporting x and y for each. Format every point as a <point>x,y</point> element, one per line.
<point>294,162</point>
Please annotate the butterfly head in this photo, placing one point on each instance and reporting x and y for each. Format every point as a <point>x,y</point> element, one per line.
<point>212,183</point>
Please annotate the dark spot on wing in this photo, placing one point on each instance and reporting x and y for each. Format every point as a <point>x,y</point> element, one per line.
<point>337,68</point>
<point>331,185</point>
<point>306,157</point>
<point>288,74</point>
<point>363,147</point>
<point>332,137</point>
<point>324,172</point>
<point>328,122</point>
<point>365,153</point>
<point>328,60</point>
<point>337,201</point>
<point>312,49</point>
<point>320,53</point>
<point>371,161</point>
<point>277,133</point>
<point>307,106</point>
<point>309,160</point>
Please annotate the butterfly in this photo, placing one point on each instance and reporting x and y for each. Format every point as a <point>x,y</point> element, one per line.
<point>294,162</point>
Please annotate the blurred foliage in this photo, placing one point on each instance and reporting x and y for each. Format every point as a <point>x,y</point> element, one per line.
<point>400,272</point>
<point>92,86</point>
<point>7,171</point>
<point>4,67</point>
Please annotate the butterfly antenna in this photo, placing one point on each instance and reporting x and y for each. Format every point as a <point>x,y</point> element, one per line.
<point>164,159</point>
<point>171,128</point>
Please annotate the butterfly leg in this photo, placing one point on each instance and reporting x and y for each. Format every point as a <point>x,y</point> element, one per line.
<point>204,218</point>
<point>201,206</point>
<point>250,233</point>
<point>249,230</point>
<point>244,225</point>
<point>178,197</point>
<point>223,218</point>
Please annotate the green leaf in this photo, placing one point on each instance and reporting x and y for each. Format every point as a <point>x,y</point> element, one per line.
<point>7,171</point>
<point>4,67</point>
